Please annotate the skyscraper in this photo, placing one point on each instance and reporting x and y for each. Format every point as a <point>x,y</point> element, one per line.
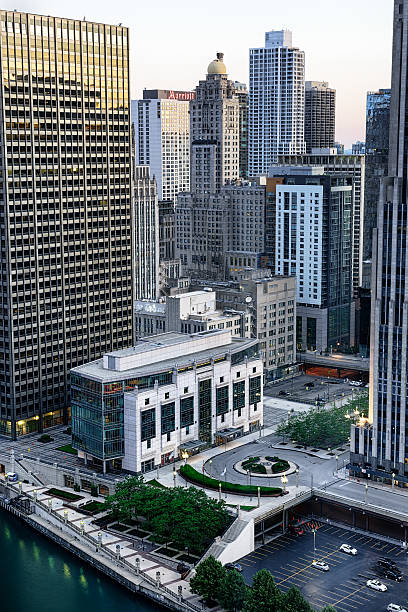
<point>162,139</point>
<point>276,101</point>
<point>320,115</point>
<point>377,137</point>
<point>379,448</point>
<point>214,131</point>
<point>147,249</point>
<point>66,210</point>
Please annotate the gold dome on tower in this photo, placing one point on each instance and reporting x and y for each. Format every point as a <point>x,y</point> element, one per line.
<point>217,66</point>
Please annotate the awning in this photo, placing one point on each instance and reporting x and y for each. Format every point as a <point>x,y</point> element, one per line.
<point>192,445</point>
<point>229,433</point>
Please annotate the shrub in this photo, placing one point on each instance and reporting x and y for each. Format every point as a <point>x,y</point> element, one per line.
<point>189,473</point>
<point>64,494</point>
<point>258,468</point>
<point>94,490</point>
<point>280,466</point>
<point>45,438</point>
<point>272,458</point>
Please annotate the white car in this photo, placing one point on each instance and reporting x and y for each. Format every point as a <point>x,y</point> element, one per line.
<point>376,585</point>
<point>355,383</point>
<point>395,608</point>
<point>321,565</point>
<point>349,550</point>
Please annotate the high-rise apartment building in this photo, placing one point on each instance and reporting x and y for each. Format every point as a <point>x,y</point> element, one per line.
<point>242,93</point>
<point>376,160</point>
<point>320,115</point>
<point>276,101</point>
<point>146,229</point>
<point>162,138</point>
<point>314,228</point>
<point>336,164</point>
<point>379,447</point>
<point>214,131</point>
<point>65,207</point>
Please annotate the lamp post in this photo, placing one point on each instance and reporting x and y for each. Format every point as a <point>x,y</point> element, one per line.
<point>174,478</point>
<point>393,480</point>
<point>297,477</point>
<point>337,463</point>
<point>284,481</point>
<point>366,493</point>
<point>210,468</point>
<point>314,541</point>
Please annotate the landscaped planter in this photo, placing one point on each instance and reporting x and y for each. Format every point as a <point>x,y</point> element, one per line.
<point>191,475</point>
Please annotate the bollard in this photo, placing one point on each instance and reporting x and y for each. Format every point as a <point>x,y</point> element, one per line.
<point>137,565</point>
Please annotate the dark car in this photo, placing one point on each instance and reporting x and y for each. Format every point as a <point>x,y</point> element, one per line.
<point>296,530</point>
<point>388,564</point>
<point>233,566</point>
<point>391,574</point>
<point>284,393</point>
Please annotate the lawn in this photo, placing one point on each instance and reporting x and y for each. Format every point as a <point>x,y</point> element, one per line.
<point>67,448</point>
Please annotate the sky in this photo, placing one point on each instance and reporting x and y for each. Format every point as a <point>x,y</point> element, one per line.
<point>346,42</point>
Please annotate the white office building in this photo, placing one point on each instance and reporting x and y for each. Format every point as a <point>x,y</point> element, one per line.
<point>167,395</point>
<point>162,138</point>
<point>276,101</point>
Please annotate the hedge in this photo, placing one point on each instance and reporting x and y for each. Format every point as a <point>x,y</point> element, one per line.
<point>190,474</point>
<point>64,494</point>
<point>280,466</point>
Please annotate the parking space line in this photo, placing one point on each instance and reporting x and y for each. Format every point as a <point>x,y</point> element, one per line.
<point>347,596</point>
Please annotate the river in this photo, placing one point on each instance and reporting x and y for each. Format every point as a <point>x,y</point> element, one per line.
<point>39,576</point>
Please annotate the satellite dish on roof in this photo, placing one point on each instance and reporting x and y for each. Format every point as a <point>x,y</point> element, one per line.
<point>248,299</point>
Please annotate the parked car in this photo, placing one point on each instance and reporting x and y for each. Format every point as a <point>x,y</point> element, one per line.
<point>391,574</point>
<point>349,550</point>
<point>387,562</point>
<point>284,393</point>
<point>233,566</point>
<point>376,585</point>
<point>12,477</point>
<point>321,565</point>
<point>392,607</point>
<point>296,529</point>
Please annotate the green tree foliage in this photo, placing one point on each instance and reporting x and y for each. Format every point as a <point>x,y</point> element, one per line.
<point>187,517</point>
<point>264,596</point>
<point>232,591</point>
<point>328,609</point>
<point>293,601</point>
<point>208,577</point>
<point>324,427</point>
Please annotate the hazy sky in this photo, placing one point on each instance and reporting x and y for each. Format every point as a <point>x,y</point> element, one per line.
<point>346,42</point>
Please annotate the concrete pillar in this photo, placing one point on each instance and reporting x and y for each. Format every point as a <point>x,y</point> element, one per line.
<point>137,565</point>
<point>158,582</point>
<point>180,592</point>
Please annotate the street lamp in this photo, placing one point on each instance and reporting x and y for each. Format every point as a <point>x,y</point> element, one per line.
<point>284,481</point>
<point>337,463</point>
<point>297,477</point>
<point>314,540</point>
<point>174,477</point>
<point>211,468</point>
<point>393,480</point>
<point>366,493</point>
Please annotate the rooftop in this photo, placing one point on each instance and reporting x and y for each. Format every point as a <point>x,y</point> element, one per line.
<point>161,353</point>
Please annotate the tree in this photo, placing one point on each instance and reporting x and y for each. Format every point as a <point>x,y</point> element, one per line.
<point>208,577</point>
<point>232,591</point>
<point>328,609</point>
<point>264,596</point>
<point>293,601</point>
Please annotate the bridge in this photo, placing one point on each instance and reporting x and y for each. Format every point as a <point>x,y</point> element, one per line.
<point>336,361</point>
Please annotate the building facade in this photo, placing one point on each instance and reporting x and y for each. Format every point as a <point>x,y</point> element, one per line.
<point>162,138</point>
<point>271,303</point>
<point>338,165</point>
<point>208,226</point>
<point>66,209</point>
<point>314,222</point>
<point>242,93</point>
<point>146,229</point>
<point>379,446</point>
<point>214,129</point>
<point>376,159</point>
<point>276,102</point>
<point>141,407</point>
<point>320,115</point>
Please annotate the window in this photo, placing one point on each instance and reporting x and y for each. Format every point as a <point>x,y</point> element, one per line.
<point>255,390</point>
<point>239,395</point>
<point>186,412</point>
<point>168,417</point>
<point>166,395</point>
<point>221,379</point>
<point>147,401</point>
<point>148,425</point>
<point>185,389</point>
<point>222,400</point>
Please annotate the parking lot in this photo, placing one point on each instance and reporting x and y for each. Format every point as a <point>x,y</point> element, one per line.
<point>310,389</point>
<point>289,558</point>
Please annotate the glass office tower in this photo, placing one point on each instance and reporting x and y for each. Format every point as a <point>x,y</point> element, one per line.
<point>65,209</point>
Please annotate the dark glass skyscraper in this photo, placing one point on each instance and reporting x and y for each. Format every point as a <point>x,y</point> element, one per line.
<point>380,446</point>
<point>320,115</point>
<point>65,209</point>
<point>377,137</point>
